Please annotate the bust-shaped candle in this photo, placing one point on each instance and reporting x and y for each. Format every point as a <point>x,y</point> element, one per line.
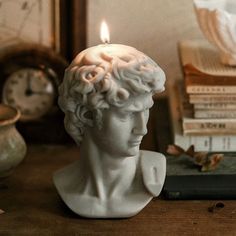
<point>106,95</point>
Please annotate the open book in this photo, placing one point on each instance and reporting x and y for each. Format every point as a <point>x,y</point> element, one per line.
<point>201,59</point>
<point>203,71</point>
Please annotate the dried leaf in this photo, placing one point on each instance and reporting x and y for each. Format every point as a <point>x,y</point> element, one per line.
<point>1,211</point>
<point>175,150</point>
<point>200,158</point>
<point>216,158</point>
<point>190,151</point>
<point>212,163</point>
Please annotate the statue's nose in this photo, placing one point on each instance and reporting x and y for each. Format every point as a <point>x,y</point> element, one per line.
<point>140,123</point>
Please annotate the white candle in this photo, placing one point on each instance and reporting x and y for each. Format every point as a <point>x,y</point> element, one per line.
<point>119,71</point>
<point>106,96</point>
<point>105,60</point>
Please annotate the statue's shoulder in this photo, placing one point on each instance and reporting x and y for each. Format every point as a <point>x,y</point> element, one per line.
<point>153,166</point>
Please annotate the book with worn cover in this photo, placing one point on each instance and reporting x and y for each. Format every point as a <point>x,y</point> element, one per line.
<point>203,71</point>
<point>214,106</point>
<point>211,89</point>
<point>212,98</point>
<point>216,113</point>
<point>185,181</point>
<point>201,62</point>
<point>205,77</point>
<point>202,126</point>
<point>202,142</point>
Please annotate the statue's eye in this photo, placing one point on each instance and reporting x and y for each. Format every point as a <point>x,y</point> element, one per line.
<point>126,115</point>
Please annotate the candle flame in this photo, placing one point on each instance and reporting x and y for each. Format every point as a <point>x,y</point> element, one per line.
<point>104,33</point>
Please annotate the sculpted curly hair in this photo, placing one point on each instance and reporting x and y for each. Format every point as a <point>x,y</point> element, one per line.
<point>98,79</point>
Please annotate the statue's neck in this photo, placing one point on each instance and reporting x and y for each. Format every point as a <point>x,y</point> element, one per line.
<point>107,174</point>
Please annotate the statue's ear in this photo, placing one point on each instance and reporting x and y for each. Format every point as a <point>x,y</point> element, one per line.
<point>84,115</point>
<point>89,115</point>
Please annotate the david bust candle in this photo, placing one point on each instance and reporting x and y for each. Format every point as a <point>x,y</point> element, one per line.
<point>106,95</point>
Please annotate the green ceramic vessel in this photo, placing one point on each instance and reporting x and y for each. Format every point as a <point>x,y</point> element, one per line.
<point>12,144</point>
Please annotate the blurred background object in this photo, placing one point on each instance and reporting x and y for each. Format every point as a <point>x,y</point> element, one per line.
<point>66,27</point>
<point>217,20</point>
<point>153,27</point>
<point>12,145</point>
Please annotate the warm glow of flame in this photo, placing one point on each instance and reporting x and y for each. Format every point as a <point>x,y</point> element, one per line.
<point>104,33</point>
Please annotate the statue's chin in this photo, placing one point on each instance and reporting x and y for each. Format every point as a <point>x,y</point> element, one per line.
<point>130,152</point>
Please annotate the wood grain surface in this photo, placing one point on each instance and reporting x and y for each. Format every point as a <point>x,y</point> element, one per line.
<point>33,207</point>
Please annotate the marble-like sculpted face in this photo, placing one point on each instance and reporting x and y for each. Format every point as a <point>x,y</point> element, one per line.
<point>106,95</point>
<point>115,84</point>
<point>123,128</point>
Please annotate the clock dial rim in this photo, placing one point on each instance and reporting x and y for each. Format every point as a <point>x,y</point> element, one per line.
<point>25,55</point>
<point>31,110</point>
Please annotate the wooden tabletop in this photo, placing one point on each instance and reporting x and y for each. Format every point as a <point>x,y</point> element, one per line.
<point>32,206</point>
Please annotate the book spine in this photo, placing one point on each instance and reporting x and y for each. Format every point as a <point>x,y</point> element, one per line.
<point>205,89</point>
<point>205,143</point>
<point>210,106</point>
<point>209,127</point>
<point>223,143</point>
<point>218,143</point>
<point>199,186</point>
<point>194,98</point>
<point>203,80</point>
<point>214,114</point>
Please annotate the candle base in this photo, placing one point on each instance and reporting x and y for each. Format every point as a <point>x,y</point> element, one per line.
<point>148,182</point>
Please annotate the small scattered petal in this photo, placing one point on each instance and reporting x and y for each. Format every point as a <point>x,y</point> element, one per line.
<point>1,211</point>
<point>175,150</point>
<point>190,151</point>
<point>200,158</point>
<point>212,163</point>
<point>205,161</point>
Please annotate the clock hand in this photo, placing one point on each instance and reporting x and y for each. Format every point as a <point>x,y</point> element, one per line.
<point>40,93</point>
<point>48,90</point>
<point>28,91</point>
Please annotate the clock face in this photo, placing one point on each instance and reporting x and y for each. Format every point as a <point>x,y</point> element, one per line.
<point>31,91</point>
<point>29,77</point>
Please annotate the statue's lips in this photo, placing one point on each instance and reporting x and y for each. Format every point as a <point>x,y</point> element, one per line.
<point>135,142</point>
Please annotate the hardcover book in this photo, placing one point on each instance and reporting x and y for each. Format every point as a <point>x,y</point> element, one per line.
<point>211,89</point>
<point>203,71</point>
<point>206,125</point>
<point>201,142</point>
<point>201,60</point>
<point>213,106</point>
<point>185,181</point>
<point>219,114</point>
<point>212,98</point>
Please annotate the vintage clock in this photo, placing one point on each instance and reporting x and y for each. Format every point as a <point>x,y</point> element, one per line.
<point>29,79</point>
<point>30,68</point>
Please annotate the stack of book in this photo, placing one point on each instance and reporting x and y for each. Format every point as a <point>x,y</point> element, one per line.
<point>203,104</point>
